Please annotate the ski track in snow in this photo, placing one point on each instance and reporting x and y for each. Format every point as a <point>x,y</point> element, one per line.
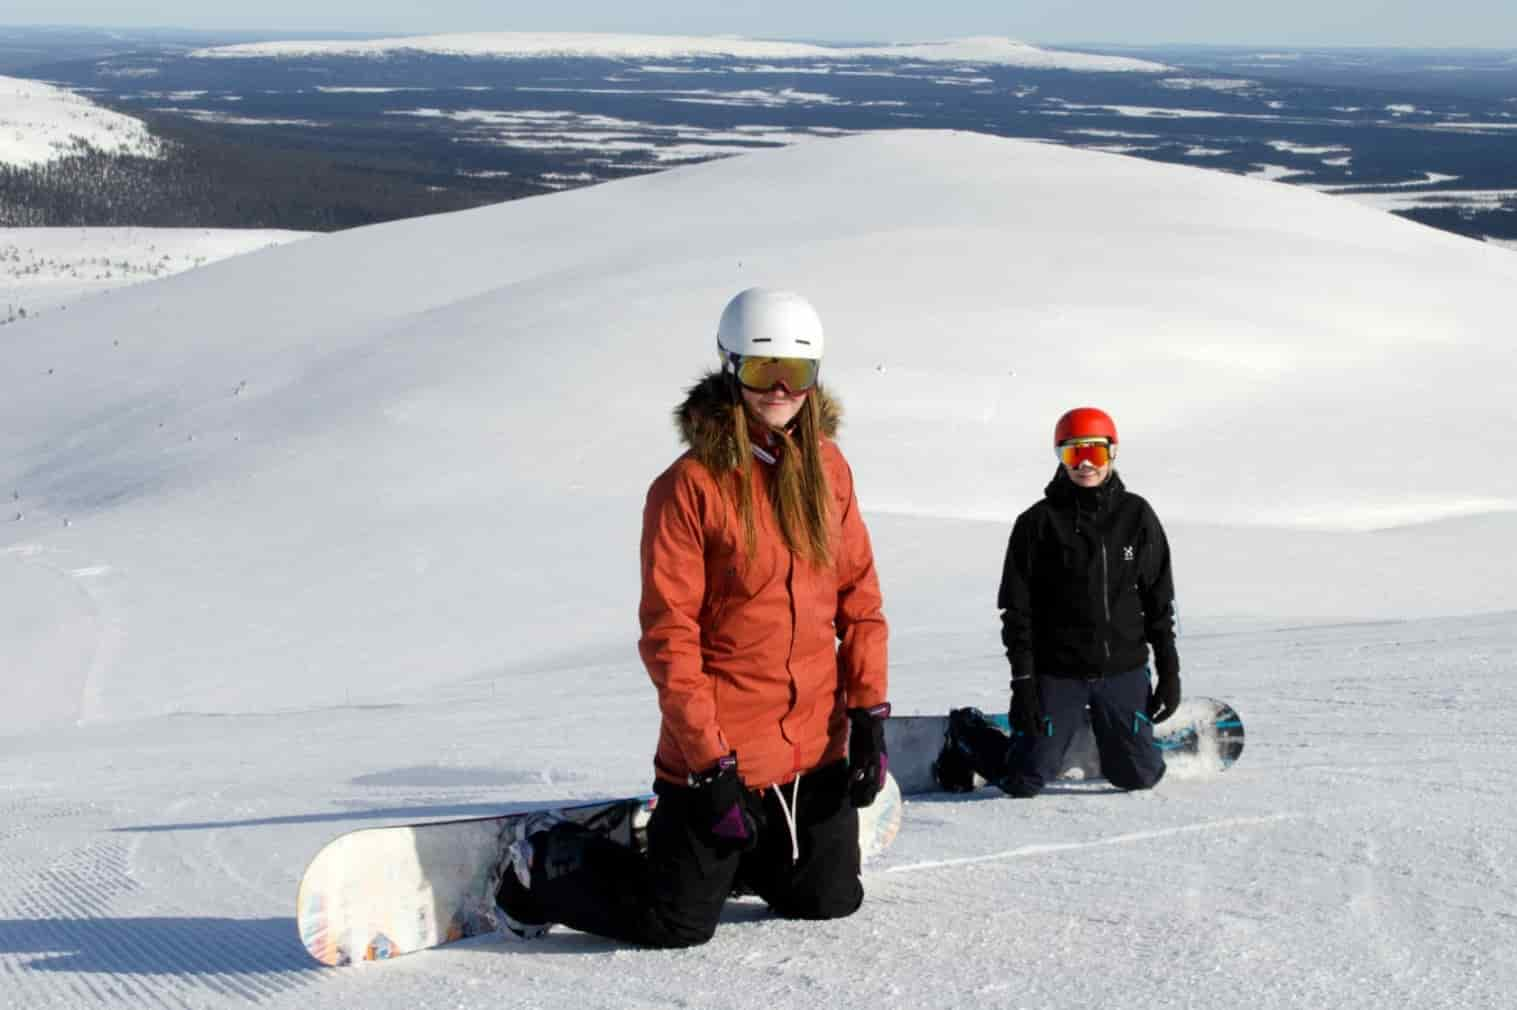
<point>78,928</point>
<point>1127,839</point>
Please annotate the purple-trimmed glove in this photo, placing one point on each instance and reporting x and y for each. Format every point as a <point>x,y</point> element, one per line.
<point>719,806</point>
<point>867,761</point>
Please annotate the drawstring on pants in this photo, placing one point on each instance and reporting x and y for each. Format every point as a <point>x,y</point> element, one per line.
<point>789,810</point>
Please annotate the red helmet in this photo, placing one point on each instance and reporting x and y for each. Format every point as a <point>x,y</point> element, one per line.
<point>1085,422</point>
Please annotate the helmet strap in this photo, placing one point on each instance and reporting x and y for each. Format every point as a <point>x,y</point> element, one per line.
<point>729,373</point>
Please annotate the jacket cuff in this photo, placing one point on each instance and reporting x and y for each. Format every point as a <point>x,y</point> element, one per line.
<point>865,697</point>
<point>710,748</point>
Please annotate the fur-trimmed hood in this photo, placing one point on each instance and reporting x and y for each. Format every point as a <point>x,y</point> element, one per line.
<point>704,420</point>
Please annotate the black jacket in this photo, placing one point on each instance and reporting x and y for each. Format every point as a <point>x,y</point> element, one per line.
<point>1087,587</point>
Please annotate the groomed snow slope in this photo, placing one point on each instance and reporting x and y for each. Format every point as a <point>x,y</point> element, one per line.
<point>344,533</point>
<point>348,455</point>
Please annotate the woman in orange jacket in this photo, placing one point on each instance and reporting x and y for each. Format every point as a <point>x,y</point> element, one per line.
<point>763,635</point>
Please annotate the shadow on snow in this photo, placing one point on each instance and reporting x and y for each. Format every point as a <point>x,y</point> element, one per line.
<point>159,946</point>
<point>398,815</point>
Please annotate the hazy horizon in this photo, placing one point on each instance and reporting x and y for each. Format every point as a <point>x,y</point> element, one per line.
<point>1461,24</point>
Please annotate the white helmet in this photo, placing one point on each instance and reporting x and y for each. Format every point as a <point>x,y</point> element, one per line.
<point>765,322</point>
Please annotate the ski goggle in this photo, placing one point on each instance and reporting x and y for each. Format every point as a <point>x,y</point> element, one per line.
<point>762,374</point>
<point>1095,451</point>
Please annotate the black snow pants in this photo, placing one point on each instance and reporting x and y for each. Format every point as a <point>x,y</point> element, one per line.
<point>1118,714</point>
<point>673,896</point>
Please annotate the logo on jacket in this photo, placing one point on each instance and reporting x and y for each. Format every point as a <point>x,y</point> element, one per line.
<point>1127,554</point>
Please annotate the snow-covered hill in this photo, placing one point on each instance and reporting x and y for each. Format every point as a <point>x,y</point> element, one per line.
<point>344,532</point>
<point>986,49</point>
<point>470,407</point>
<point>42,269</point>
<point>40,123</point>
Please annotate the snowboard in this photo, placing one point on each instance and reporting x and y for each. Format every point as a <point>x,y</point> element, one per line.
<point>1204,733</point>
<point>378,893</point>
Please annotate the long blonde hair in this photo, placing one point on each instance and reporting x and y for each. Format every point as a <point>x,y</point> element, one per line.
<point>802,496</point>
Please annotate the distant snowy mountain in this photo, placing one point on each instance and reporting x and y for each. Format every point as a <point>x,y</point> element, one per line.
<point>622,47</point>
<point>40,123</point>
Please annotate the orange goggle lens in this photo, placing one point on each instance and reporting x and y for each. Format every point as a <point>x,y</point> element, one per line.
<point>1096,453</point>
<point>763,374</point>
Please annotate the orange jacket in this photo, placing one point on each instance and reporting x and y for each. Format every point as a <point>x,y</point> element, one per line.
<point>760,656</point>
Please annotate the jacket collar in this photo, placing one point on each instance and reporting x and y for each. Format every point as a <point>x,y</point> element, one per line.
<point>705,422</point>
<point>1065,493</point>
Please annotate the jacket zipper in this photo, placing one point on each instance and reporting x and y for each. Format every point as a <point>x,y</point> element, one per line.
<point>1106,599</point>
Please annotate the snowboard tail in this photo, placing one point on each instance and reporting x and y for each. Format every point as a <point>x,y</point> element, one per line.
<point>1205,730</point>
<point>378,893</point>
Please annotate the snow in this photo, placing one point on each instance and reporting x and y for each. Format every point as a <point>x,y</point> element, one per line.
<point>43,269</point>
<point>1470,127</point>
<point>344,533</point>
<point>1062,107</point>
<point>548,130</point>
<point>1274,173</point>
<point>1291,147</point>
<point>1114,134</point>
<point>979,49</point>
<point>1471,199</point>
<point>40,123</point>
<point>747,97</point>
<point>1212,83</point>
<point>1428,179</point>
<point>229,119</point>
<point>362,90</point>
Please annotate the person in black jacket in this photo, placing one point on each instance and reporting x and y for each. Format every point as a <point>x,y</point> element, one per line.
<point>1086,593</point>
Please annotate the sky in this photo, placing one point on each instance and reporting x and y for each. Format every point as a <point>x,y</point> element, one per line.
<point>1476,23</point>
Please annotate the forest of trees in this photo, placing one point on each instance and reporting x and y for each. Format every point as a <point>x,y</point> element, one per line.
<point>213,179</point>
<point>223,176</point>
<point>1502,225</point>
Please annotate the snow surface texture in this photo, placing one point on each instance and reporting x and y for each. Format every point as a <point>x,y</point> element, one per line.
<point>40,123</point>
<point>42,269</point>
<point>986,49</point>
<point>344,533</point>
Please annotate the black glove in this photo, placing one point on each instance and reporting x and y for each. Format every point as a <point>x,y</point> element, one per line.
<point>1165,697</point>
<point>867,762</point>
<point>719,807</point>
<point>1026,708</point>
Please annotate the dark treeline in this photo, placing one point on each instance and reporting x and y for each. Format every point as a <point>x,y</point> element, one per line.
<point>1492,224</point>
<point>212,179</point>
